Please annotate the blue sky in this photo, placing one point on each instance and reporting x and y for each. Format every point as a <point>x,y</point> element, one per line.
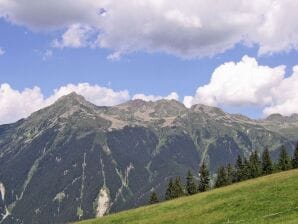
<point>159,68</point>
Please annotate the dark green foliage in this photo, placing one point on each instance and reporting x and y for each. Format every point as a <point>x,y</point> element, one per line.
<point>284,162</point>
<point>239,169</point>
<point>231,174</point>
<point>222,177</point>
<point>295,158</point>
<point>246,170</point>
<point>191,187</point>
<point>267,167</point>
<point>174,189</point>
<point>178,188</point>
<point>254,165</point>
<point>170,190</point>
<point>204,183</point>
<point>153,198</point>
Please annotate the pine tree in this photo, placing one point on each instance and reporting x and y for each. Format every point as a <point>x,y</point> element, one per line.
<point>169,191</point>
<point>231,174</point>
<point>177,189</point>
<point>191,187</point>
<point>295,158</point>
<point>267,167</point>
<point>153,198</point>
<point>222,177</point>
<point>254,165</point>
<point>245,170</point>
<point>239,169</point>
<point>284,162</point>
<point>204,178</point>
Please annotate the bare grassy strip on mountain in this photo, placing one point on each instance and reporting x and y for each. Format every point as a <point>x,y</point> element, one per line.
<point>270,199</point>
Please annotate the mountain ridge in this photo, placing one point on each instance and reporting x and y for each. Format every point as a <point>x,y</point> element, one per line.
<point>98,160</point>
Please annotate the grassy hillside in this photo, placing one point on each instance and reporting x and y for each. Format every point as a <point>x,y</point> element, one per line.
<point>271,199</point>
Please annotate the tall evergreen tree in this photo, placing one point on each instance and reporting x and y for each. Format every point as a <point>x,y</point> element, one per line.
<point>153,198</point>
<point>295,158</point>
<point>284,162</point>
<point>239,169</point>
<point>231,174</point>
<point>191,187</point>
<point>245,170</point>
<point>222,177</point>
<point>254,165</point>
<point>170,190</point>
<point>267,167</point>
<point>177,189</point>
<point>204,183</point>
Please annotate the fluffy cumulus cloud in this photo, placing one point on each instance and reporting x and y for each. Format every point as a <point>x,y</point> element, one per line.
<point>76,36</point>
<point>189,28</point>
<point>285,96</point>
<point>248,83</point>
<point>171,96</point>
<point>19,104</point>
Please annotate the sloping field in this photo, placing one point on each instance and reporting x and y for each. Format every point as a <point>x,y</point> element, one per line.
<point>270,199</point>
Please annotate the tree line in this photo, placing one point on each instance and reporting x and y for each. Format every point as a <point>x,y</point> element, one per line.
<point>244,169</point>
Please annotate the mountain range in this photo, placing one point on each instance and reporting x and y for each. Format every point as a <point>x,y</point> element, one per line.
<point>74,160</point>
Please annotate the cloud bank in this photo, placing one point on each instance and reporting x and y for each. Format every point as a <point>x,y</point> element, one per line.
<point>247,83</point>
<point>189,28</point>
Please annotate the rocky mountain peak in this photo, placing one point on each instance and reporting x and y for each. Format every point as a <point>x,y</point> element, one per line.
<point>209,110</point>
<point>274,117</point>
<point>72,99</point>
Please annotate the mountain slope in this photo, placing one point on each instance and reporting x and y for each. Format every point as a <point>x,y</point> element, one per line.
<point>74,160</point>
<point>271,199</point>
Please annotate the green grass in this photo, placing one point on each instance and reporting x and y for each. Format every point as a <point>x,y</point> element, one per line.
<point>270,199</point>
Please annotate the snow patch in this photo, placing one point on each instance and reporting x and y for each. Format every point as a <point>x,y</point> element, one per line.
<point>103,203</point>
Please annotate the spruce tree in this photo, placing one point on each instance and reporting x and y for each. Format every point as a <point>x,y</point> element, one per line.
<point>245,170</point>
<point>284,162</point>
<point>177,189</point>
<point>254,165</point>
<point>231,174</point>
<point>267,167</point>
<point>169,191</point>
<point>204,178</point>
<point>191,187</point>
<point>153,198</point>
<point>295,158</point>
<point>222,177</point>
<point>239,169</point>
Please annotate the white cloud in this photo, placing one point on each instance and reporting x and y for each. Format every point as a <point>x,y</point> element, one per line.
<point>2,51</point>
<point>285,96</point>
<point>242,83</point>
<point>75,36</point>
<point>171,96</point>
<point>98,95</point>
<point>247,83</point>
<point>20,104</point>
<point>16,105</point>
<point>190,28</point>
